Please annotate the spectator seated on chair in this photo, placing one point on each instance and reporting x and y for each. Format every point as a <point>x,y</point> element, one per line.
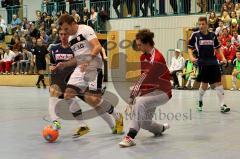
<point>2,35</point>
<point>236,71</point>
<point>229,52</point>
<point>5,63</point>
<point>26,61</point>
<point>219,29</point>
<point>16,62</point>
<point>235,39</point>
<point>188,76</point>
<point>177,65</point>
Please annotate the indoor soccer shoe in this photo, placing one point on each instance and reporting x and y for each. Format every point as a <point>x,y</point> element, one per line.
<point>81,131</point>
<point>114,130</point>
<point>225,109</point>
<point>199,106</point>
<point>119,124</point>
<point>127,142</point>
<point>165,127</point>
<point>56,125</point>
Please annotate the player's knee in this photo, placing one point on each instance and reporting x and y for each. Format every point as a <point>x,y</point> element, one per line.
<point>139,107</point>
<point>93,100</point>
<point>69,93</point>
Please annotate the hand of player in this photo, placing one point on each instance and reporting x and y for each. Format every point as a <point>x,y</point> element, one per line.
<point>129,109</point>
<point>60,65</point>
<point>224,61</point>
<point>229,61</point>
<point>52,68</point>
<point>83,66</point>
<point>193,60</point>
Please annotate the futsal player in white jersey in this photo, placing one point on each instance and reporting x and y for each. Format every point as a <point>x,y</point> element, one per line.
<point>86,80</point>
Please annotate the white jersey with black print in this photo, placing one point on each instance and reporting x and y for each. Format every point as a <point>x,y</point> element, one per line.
<point>80,43</point>
<point>80,46</point>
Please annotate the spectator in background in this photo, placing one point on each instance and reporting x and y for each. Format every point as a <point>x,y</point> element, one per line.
<point>34,32</point>
<point>162,7</point>
<point>225,37</point>
<point>228,6</point>
<point>233,17</point>
<point>213,21</point>
<point>76,5</point>
<point>173,3</point>
<point>33,44</point>
<point>16,60</point>
<point>49,6</point>
<point>226,18</point>
<point>93,18</point>
<point>15,22</point>
<point>40,52</point>
<point>23,42</point>
<point>47,23</point>
<point>189,73</point>
<point>75,16</point>
<point>116,4</point>
<point>147,4</point>
<point>53,26</point>
<point>43,16</point>
<point>26,61</point>
<point>177,65</point>
<point>236,71</point>
<point>187,6</point>
<point>220,27</point>
<point>61,6</point>
<point>235,39</point>
<point>5,63</point>
<point>237,10</point>
<point>15,36</point>
<point>234,26</point>
<point>229,52</point>
<point>25,24</point>
<point>85,16</point>
<point>3,24</point>
<point>53,38</point>
<point>17,46</point>
<point>2,35</point>
<point>203,5</point>
<point>1,54</point>
<point>38,20</point>
<point>12,7</point>
<point>44,37</point>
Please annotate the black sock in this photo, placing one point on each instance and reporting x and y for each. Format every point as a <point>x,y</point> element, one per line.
<point>110,111</point>
<point>43,82</point>
<point>39,79</point>
<point>132,133</point>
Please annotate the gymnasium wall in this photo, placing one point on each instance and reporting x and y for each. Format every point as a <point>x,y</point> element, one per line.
<point>167,32</point>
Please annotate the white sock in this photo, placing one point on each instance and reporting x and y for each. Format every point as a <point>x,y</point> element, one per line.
<point>201,94</point>
<point>220,94</point>
<point>74,107</point>
<point>51,108</point>
<point>234,82</point>
<point>106,117</point>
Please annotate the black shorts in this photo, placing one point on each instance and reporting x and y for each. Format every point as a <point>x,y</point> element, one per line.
<point>61,77</point>
<point>41,65</point>
<point>209,74</point>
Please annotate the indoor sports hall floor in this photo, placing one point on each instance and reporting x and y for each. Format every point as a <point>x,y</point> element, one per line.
<point>194,135</point>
